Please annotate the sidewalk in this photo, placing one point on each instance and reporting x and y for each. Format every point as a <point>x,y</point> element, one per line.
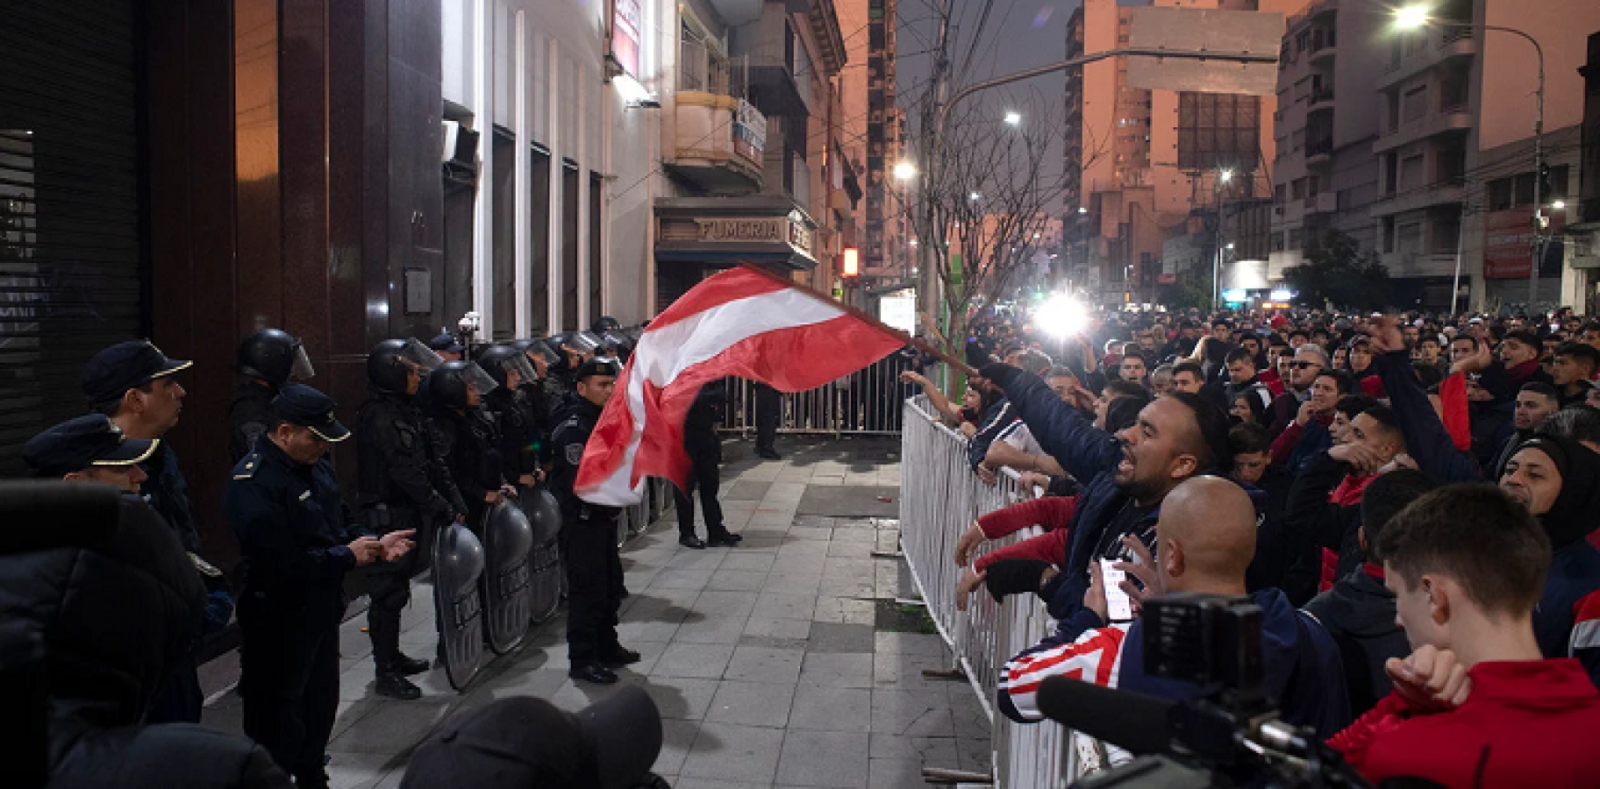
<point>776,663</point>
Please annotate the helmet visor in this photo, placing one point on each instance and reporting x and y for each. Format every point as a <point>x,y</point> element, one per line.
<point>421,356</point>
<point>540,348</point>
<point>475,377</point>
<point>300,368</point>
<point>518,363</point>
<point>585,340</point>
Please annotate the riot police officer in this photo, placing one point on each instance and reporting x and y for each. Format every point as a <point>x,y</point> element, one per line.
<point>134,384</point>
<point>268,359</point>
<point>588,537</point>
<point>518,427</point>
<point>705,452</point>
<point>769,411</point>
<point>404,486</point>
<point>297,541</point>
<point>467,437</point>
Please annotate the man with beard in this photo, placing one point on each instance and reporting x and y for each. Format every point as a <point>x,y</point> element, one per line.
<point>1558,480</point>
<point>1309,362</point>
<point>1127,476</point>
<point>1536,402</point>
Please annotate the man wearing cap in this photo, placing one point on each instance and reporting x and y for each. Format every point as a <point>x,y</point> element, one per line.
<point>588,537</point>
<point>447,346</point>
<point>298,541</point>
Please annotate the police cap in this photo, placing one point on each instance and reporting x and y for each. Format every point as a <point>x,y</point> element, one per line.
<point>446,343</point>
<point>596,367</point>
<point>299,404</point>
<point>124,366</point>
<point>85,441</point>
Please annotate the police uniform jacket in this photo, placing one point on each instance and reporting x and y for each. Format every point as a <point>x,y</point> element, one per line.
<point>401,467</point>
<point>577,421</point>
<point>293,528</point>
<point>250,416</point>
<point>700,424</point>
<point>469,444</point>
<point>168,493</point>
<point>518,432</point>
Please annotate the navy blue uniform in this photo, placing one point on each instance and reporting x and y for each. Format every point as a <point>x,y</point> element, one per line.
<point>293,529</point>
<point>704,448</point>
<point>588,542</point>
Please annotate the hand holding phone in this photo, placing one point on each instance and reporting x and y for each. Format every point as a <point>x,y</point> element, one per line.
<point>1118,607</point>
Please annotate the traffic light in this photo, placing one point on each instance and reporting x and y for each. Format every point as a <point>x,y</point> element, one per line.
<point>851,263</point>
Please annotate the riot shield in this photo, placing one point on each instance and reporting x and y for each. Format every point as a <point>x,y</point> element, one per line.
<point>458,562</point>
<point>544,562</point>
<point>507,600</point>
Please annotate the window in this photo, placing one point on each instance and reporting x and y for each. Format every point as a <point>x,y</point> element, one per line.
<point>569,245</point>
<point>539,243</point>
<point>1278,194</point>
<point>503,237</point>
<point>1391,174</point>
<point>596,232</point>
<point>1413,172</point>
<point>1388,234</point>
<point>1446,234</point>
<point>1408,238</point>
<point>1297,189</point>
<point>702,58</point>
<point>1414,104</point>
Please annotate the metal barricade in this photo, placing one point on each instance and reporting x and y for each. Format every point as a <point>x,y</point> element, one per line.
<point>940,498</point>
<point>865,402</point>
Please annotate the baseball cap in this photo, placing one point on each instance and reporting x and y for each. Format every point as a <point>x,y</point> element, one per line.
<point>299,404</point>
<point>124,366</point>
<point>597,366</point>
<point>85,441</point>
<point>525,742</point>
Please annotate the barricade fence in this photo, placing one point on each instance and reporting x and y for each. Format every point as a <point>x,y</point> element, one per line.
<point>865,402</point>
<point>940,498</point>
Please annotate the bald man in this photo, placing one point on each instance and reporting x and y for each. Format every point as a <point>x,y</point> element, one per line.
<point>1205,538</point>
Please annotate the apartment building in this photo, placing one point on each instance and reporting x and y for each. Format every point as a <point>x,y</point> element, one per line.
<point>1148,160</point>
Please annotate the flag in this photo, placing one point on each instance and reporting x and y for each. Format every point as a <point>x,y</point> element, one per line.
<point>743,322</point>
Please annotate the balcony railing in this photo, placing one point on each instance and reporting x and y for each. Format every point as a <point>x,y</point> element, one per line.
<point>1319,147</point>
<point>1451,35</point>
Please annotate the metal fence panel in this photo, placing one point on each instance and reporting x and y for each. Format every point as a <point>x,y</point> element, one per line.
<point>940,498</point>
<point>865,402</point>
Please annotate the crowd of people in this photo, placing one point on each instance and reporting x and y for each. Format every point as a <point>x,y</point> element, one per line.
<point>445,436</point>
<point>1410,500</point>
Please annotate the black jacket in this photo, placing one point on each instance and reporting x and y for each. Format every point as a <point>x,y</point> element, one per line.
<point>113,615</point>
<point>575,422</point>
<point>700,424</point>
<point>470,446</point>
<point>401,466</point>
<point>1359,613</point>
<point>1315,523</point>
<point>517,432</point>
<point>168,493</point>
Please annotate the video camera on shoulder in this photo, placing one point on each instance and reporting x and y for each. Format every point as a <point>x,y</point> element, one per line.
<point>1229,735</point>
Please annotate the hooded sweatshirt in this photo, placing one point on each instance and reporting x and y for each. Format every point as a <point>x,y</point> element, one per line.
<point>1567,618</point>
<point>1358,613</point>
<point>1299,660</point>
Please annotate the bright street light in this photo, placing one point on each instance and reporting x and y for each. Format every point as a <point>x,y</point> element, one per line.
<point>1013,118</point>
<point>904,171</point>
<point>1061,316</point>
<point>1559,205</point>
<point>1229,246</point>
<point>1411,17</point>
<point>1082,210</point>
<point>974,196</point>
<point>1227,175</point>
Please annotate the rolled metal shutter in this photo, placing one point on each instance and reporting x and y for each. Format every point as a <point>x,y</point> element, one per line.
<point>70,227</point>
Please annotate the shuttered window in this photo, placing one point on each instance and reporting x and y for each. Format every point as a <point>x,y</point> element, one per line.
<point>70,235</point>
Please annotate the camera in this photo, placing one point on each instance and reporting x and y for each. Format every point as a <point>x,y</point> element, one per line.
<point>1229,735</point>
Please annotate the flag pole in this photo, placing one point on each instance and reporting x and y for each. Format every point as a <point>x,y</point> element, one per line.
<point>863,316</point>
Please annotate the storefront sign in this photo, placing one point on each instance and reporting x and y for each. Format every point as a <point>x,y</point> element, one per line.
<point>1508,242</point>
<point>627,19</point>
<point>749,132</point>
<point>755,229</point>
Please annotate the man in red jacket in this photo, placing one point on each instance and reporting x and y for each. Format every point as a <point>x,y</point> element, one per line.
<point>1475,704</point>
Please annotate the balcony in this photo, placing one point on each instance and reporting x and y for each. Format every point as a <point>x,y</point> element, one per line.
<point>1450,119</point>
<point>1323,44</point>
<point>717,141</point>
<point>1321,99</point>
<point>1425,50</point>
<point>1322,203</point>
<point>1319,151</point>
<point>1417,199</point>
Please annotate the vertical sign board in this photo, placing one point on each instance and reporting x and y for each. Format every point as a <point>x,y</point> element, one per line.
<point>1508,243</point>
<point>626,22</point>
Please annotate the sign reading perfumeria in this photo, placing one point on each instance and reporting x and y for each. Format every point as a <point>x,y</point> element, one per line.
<point>759,229</point>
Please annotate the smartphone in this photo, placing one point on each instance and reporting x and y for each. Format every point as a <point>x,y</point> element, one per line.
<point>1118,607</point>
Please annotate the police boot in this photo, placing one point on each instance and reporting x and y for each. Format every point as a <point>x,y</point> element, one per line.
<point>404,666</point>
<point>396,686</point>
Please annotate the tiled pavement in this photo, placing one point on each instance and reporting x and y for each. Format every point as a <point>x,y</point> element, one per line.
<point>764,660</point>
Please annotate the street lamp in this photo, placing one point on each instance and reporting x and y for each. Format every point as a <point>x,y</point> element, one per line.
<point>1227,175</point>
<point>974,196</point>
<point>1013,118</point>
<point>904,171</point>
<point>1415,17</point>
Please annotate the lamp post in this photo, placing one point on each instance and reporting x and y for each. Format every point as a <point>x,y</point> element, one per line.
<point>1415,17</point>
<point>1223,177</point>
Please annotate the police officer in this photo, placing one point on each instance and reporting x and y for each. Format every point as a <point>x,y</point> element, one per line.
<point>297,541</point>
<point>705,452</point>
<point>448,346</point>
<point>404,486</point>
<point>133,384</point>
<point>268,359</point>
<point>769,409</point>
<point>467,437</point>
<point>89,449</point>
<point>588,538</point>
<point>513,415</point>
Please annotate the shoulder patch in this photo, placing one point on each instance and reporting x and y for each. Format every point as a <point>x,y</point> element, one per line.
<point>574,454</point>
<point>247,467</point>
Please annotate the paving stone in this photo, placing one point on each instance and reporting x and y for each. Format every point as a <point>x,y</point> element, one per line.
<point>737,580</point>
<point>358,770</point>
<point>784,605</point>
<point>746,489</point>
<point>761,704</point>
<point>895,774</point>
<point>381,730</point>
<point>845,611</point>
<point>716,602</point>
<point>677,737</point>
<point>713,629</point>
<point>681,579</point>
<point>836,670</point>
<point>744,560</point>
<point>830,637</point>
<point>735,753</point>
<point>823,758</point>
<point>910,644</point>
<point>764,664</point>
<point>795,630</point>
<point>703,661</point>
<point>912,713</point>
<point>831,709</point>
<point>680,698</point>
<point>932,750</point>
<point>806,583</point>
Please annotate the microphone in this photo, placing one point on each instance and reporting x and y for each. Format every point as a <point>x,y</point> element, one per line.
<point>1132,721</point>
<point>40,515</point>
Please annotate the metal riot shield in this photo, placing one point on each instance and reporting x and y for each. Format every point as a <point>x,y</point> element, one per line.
<point>507,600</point>
<point>458,562</point>
<point>544,512</point>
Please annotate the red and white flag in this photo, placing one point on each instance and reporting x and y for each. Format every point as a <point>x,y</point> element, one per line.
<point>742,322</point>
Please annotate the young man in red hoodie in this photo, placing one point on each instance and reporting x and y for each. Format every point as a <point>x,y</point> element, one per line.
<point>1475,704</point>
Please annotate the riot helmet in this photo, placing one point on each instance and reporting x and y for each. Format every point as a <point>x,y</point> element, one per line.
<point>391,363</point>
<point>501,361</point>
<point>274,356</point>
<point>459,384</point>
<point>603,324</point>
